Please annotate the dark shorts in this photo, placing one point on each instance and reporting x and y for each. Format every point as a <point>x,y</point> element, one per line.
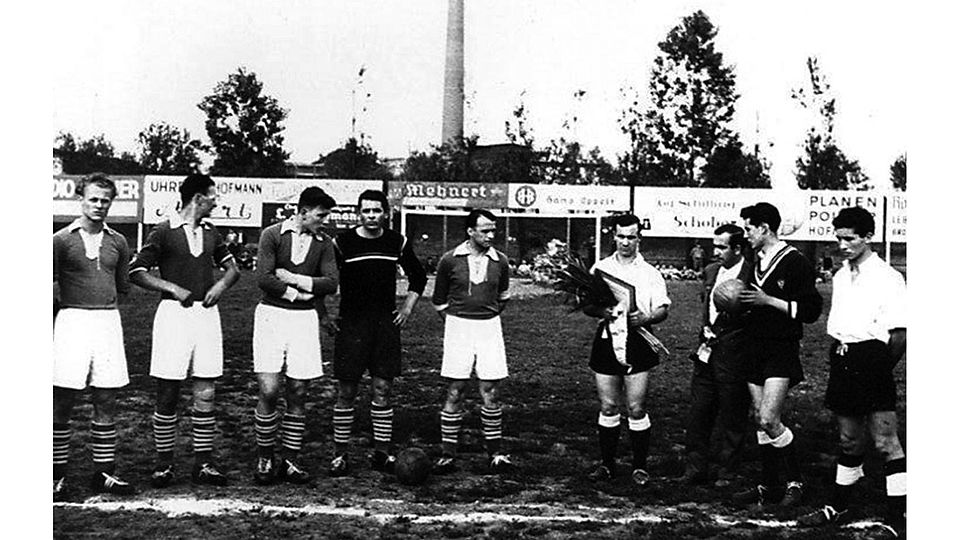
<point>368,342</point>
<point>767,358</point>
<point>639,355</point>
<point>861,381</point>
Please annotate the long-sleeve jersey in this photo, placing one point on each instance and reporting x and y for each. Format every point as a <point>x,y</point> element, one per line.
<point>788,276</point>
<point>90,281</point>
<point>276,251</point>
<point>368,271</point>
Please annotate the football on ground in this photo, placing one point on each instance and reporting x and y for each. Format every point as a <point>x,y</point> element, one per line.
<point>726,296</point>
<point>412,467</point>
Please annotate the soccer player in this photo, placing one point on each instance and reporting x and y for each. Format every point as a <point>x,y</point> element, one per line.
<point>781,295</point>
<point>641,294</point>
<point>368,338</point>
<point>296,264</point>
<point>187,338</point>
<point>90,263</point>
<point>868,324</point>
<point>718,387</point>
<point>470,293</point>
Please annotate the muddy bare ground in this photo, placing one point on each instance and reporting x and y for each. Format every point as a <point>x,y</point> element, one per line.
<point>550,425</point>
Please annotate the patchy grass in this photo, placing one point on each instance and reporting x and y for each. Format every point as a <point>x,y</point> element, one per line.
<point>550,417</point>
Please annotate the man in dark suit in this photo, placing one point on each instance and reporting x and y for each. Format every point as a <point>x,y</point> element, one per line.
<point>718,387</point>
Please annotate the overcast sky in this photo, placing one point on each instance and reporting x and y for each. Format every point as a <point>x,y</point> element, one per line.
<point>127,64</point>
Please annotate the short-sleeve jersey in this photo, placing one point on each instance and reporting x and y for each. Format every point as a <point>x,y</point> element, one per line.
<point>867,306</point>
<point>90,280</point>
<point>636,282</point>
<point>167,247</point>
<point>368,271</point>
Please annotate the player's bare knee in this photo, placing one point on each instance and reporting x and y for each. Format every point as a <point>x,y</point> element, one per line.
<point>636,410</point>
<point>849,445</point>
<point>490,393</point>
<point>204,397</point>
<point>888,445</point>
<point>609,408</point>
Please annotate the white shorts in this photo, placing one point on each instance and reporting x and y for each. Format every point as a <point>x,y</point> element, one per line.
<point>287,336</point>
<point>184,336</point>
<point>472,343</point>
<point>88,349</point>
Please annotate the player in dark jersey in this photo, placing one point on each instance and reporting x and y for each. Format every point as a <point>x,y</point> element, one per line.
<point>780,296</point>
<point>187,335</point>
<point>368,337</point>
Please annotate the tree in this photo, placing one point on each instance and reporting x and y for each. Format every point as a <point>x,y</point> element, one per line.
<point>354,160</point>
<point>165,149</point>
<point>823,165</point>
<point>449,162</point>
<point>244,127</point>
<point>729,167</point>
<point>692,99</point>
<point>562,161</point>
<point>898,173</point>
<point>97,154</point>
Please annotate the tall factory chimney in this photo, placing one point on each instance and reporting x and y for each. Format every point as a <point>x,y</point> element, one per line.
<point>453,75</point>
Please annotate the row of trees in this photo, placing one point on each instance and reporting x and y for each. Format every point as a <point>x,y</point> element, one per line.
<point>680,134</point>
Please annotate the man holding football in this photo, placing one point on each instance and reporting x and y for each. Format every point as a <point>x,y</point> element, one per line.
<point>368,338</point>
<point>868,324</point>
<point>718,387</point>
<point>295,266</point>
<point>781,295</point>
<point>471,291</point>
<point>90,263</point>
<point>622,373</point>
<point>187,336</point>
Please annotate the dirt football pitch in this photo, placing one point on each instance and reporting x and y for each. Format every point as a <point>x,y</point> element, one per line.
<point>550,412</point>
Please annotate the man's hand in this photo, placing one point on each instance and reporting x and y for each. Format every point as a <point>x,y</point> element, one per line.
<point>213,295</point>
<point>286,276</point>
<point>637,318</point>
<point>184,296</point>
<point>401,315</point>
<point>755,297</point>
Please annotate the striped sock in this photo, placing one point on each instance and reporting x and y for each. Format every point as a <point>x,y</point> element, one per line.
<point>492,420</point>
<point>165,434</point>
<point>292,430</point>
<point>450,424</point>
<point>342,427</point>
<point>382,419</point>
<point>61,449</point>
<point>203,424</point>
<point>639,429</point>
<point>265,426</point>
<point>103,445</point>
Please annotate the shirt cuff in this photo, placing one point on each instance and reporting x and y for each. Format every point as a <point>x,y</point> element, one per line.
<point>290,294</point>
<point>441,307</point>
<point>304,283</point>
<point>792,309</point>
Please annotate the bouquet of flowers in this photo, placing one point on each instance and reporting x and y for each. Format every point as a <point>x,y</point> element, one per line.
<point>584,288</point>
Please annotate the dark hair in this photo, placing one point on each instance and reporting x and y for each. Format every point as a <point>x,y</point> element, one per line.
<point>313,197</point>
<point>374,195</point>
<point>626,220</point>
<point>856,218</point>
<point>96,179</point>
<point>475,214</point>
<point>762,212</point>
<point>193,184</point>
<point>735,232</point>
